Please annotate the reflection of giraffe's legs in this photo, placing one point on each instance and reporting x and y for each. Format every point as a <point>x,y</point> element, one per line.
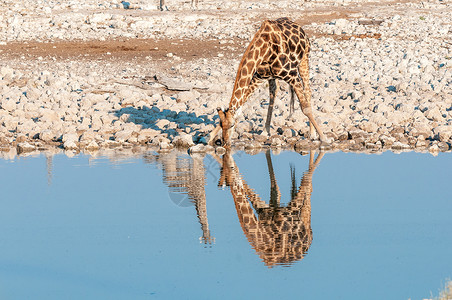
<point>273,89</point>
<point>275,194</point>
<point>317,161</point>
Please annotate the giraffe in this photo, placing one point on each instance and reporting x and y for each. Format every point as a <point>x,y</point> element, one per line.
<point>279,50</point>
<point>280,235</point>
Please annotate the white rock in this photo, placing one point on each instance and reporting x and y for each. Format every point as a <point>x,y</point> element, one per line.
<point>8,104</point>
<point>46,135</point>
<point>25,147</point>
<point>276,142</point>
<point>70,145</point>
<point>164,145</point>
<point>434,114</point>
<point>184,140</point>
<point>188,96</point>
<point>124,135</point>
<point>92,146</point>
<point>70,137</point>
<point>197,148</point>
<point>400,146</point>
<point>6,71</point>
<point>162,123</point>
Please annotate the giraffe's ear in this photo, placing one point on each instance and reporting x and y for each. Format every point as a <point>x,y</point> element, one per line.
<point>218,109</point>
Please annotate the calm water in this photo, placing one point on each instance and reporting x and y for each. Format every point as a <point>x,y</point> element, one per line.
<point>157,226</point>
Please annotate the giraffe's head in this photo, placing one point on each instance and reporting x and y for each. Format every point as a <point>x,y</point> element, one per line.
<point>227,124</point>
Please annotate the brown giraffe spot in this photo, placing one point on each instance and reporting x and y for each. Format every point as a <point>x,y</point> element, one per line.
<point>283,59</point>
<point>242,82</point>
<point>299,50</point>
<point>237,94</point>
<point>295,39</point>
<point>244,72</point>
<point>256,54</point>
<point>259,43</point>
<point>265,37</point>
<point>292,46</point>
<point>274,37</point>
<point>250,66</point>
<point>303,44</point>
<point>266,27</point>
<point>277,65</point>
<point>283,73</point>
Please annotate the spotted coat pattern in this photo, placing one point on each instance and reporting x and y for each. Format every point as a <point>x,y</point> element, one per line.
<point>279,50</point>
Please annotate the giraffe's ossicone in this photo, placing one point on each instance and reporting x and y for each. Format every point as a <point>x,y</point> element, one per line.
<point>279,50</point>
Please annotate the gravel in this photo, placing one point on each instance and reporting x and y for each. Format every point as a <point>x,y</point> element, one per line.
<point>381,77</point>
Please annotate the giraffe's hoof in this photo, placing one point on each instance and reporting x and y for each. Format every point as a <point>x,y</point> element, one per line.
<point>213,141</point>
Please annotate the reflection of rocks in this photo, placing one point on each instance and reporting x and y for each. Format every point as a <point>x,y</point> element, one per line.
<point>279,234</point>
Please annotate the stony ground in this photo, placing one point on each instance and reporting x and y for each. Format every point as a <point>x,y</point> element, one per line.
<point>84,75</point>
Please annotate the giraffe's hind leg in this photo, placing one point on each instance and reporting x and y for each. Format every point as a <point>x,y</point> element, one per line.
<point>292,101</point>
<point>273,89</point>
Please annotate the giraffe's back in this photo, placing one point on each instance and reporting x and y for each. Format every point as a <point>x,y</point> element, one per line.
<point>287,45</point>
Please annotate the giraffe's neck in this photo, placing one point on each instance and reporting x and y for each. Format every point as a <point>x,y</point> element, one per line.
<point>244,84</point>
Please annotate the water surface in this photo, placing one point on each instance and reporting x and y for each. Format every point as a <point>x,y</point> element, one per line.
<point>159,226</point>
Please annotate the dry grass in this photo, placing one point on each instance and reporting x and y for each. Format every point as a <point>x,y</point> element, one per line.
<point>446,293</point>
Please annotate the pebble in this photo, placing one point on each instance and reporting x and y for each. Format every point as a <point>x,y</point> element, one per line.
<point>197,148</point>
<point>25,147</point>
<point>70,145</point>
<point>183,141</point>
<point>92,146</point>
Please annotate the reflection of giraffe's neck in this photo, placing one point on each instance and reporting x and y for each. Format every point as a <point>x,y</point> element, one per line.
<point>186,175</point>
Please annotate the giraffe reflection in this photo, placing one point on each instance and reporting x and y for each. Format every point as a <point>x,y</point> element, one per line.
<point>280,235</point>
<point>186,180</point>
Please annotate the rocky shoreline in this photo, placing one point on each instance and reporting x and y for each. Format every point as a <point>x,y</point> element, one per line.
<point>381,76</point>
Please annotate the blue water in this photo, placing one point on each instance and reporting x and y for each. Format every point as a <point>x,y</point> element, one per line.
<point>106,228</point>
